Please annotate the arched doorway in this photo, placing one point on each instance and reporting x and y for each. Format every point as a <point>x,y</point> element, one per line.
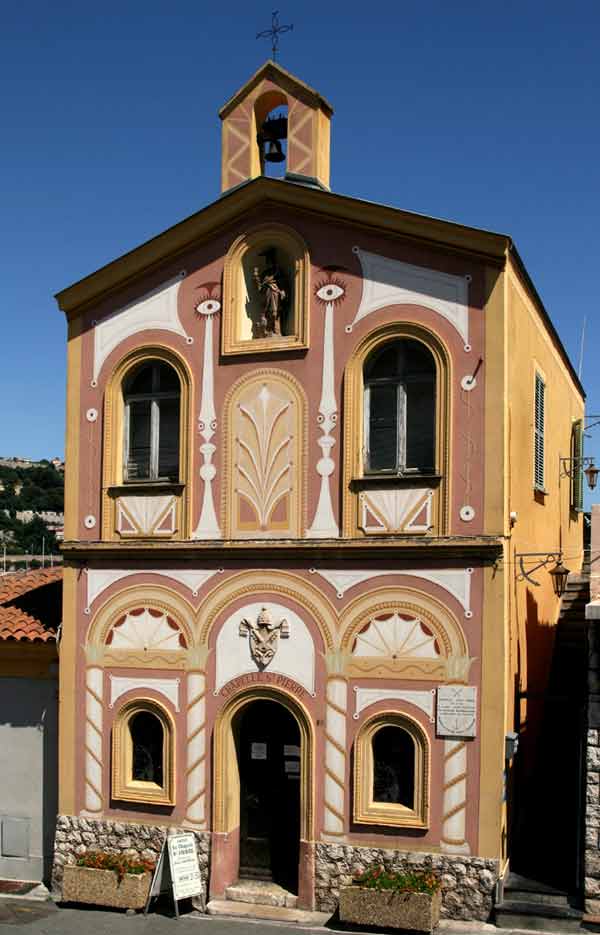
<point>267,738</point>
<point>263,820</point>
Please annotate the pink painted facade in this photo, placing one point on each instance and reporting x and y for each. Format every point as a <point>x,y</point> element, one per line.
<point>381,586</point>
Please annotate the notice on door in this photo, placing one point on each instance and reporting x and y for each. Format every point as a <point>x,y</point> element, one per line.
<point>184,867</point>
<point>258,751</point>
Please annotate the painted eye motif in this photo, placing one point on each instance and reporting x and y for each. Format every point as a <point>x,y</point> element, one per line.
<point>330,292</point>
<point>208,307</point>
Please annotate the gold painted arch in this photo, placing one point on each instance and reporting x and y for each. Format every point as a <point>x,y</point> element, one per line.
<point>453,661</point>
<point>280,584</point>
<point>226,780</point>
<point>148,596</point>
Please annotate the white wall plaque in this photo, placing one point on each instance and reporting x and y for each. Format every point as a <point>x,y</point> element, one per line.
<point>258,751</point>
<point>456,711</point>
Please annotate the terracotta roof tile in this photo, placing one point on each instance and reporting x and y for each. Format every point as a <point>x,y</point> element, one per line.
<point>15,584</point>
<point>15,624</point>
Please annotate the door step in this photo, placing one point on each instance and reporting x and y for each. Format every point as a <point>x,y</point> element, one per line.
<point>261,893</point>
<point>528,904</point>
<point>242,910</point>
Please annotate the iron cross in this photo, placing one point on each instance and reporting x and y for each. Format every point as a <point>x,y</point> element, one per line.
<point>273,33</point>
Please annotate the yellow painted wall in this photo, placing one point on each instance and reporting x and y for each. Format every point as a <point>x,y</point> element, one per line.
<point>545,522</point>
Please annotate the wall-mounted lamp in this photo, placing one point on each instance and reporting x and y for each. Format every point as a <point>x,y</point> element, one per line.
<point>568,465</point>
<point>558,573</point>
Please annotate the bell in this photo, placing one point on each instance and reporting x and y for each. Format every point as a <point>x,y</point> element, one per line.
<point>273,151</point>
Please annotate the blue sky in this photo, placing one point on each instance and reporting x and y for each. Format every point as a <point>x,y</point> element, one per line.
<point>470,111</point>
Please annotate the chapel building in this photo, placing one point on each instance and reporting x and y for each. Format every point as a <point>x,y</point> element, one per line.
<point>309,439</point>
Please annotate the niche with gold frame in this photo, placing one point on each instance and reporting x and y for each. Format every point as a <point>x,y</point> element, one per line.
<point>143,754</point>
<point>259,267</point>
<point>391,786</point>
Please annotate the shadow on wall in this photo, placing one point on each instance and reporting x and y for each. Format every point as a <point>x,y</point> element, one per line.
<point>29,788</point>
<point>546,777</point>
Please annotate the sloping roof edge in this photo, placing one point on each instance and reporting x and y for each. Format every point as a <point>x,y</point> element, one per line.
<point>173,241</point>
<point>273,70</point>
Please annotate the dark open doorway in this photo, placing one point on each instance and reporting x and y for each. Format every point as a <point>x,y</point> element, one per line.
<point>268,748</point>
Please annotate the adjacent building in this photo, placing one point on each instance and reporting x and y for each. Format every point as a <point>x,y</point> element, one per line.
<point>312,442</point>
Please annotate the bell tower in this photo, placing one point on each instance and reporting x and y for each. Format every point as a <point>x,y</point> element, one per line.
<point>251,138</point>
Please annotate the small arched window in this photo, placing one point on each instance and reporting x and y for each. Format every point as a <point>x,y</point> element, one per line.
<point>399,409</point>
<point>151,395</point>
<point>143,754</point>
<point>147,744</point>
<point>391,768</point>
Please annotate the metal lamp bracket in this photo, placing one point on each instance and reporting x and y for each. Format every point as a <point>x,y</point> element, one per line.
<point>525,574</point>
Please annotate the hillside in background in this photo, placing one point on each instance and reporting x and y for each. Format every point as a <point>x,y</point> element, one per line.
<point>31,507</point>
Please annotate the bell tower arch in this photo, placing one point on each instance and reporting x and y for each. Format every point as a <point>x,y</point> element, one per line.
<point>250,134</point>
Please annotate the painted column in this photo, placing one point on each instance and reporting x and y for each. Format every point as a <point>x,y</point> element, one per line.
<point>93,740</point>
<point>196,750</point>
<point>208,526</point>
<point>324,525</point>
<point>335,755</point>
<point>455,798</point>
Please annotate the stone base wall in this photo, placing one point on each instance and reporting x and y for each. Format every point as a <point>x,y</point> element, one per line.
<point>592,825</point>
<point>468,883</point>
<point>76,836</point>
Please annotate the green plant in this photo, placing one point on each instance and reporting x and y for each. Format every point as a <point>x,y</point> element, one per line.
<point>377,877</point>
<point>98,860</point>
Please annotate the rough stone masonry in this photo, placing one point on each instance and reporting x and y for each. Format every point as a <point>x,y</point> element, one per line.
<point>468,883</point>
<point>76,836</point>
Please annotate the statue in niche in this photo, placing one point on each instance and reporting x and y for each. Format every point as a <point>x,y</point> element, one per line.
<point>264,636</point>
<point>270,284</point>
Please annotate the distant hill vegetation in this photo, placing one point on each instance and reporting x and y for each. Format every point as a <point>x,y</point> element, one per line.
<point>39,488</point>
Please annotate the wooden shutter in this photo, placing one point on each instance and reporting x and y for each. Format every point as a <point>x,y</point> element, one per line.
<point>577,466</point>
<point>539,423</point>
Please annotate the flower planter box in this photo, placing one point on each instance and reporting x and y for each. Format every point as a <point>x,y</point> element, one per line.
<point>419,912</point>
<point>103,888</point>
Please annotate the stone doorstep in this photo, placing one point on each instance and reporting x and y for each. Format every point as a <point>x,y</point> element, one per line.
<point>39,893</point>
<point>261,893</point>
<point>244,910</point>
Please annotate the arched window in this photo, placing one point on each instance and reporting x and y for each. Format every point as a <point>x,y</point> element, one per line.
<point>399,403</point>
<point>151,395</point>
<point>143,754</point>
<point>391,768</point>
<point>147,744</point>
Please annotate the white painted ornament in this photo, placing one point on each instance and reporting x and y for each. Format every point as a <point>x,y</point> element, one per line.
<point>324,525</point>
<point>208,525</point>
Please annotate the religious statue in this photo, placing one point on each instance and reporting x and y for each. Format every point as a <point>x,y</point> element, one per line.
<point>264,636</point>
<point>269,284</point>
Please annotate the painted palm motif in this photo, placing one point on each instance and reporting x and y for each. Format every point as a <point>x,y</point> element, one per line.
<point>146,629</point>
<point>394,636</point>
<point>264,459</point>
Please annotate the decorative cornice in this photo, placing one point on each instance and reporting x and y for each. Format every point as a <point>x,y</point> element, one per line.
<point>485,548</point>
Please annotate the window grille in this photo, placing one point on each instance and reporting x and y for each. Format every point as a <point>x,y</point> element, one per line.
<point>539,425</point>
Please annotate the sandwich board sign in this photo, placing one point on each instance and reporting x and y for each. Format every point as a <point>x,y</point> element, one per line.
<point>177,869</point>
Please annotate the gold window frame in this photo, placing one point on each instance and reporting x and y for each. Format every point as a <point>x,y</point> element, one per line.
<point>123,787</point>
<point>113,482</point>
<point>270,235</point>
<point>366,809</point>
<point>355,478</point>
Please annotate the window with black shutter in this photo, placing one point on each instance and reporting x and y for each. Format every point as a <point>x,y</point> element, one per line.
<point>400,401</point>
<point>152,396</point>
